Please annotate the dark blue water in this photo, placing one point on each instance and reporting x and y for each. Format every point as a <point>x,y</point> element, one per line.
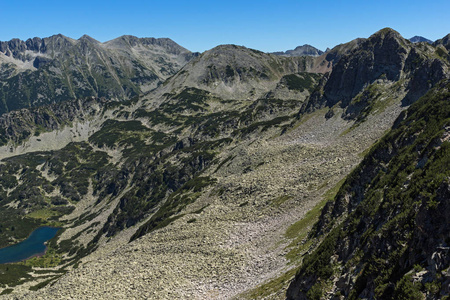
<point>33,245</point>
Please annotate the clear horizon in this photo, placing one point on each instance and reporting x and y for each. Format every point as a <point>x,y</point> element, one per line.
<point>263,25</point>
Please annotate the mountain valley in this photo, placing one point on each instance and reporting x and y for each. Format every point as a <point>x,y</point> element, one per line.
<point>227,174</point>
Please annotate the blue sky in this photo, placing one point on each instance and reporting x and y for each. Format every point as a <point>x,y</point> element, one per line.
<point>266,25</point>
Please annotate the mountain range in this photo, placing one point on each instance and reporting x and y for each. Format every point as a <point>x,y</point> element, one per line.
<point>43,71</point>
<point>227,174</point>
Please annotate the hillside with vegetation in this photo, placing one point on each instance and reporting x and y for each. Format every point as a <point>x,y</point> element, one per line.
<point>386,234</point>
<point>213,181</point>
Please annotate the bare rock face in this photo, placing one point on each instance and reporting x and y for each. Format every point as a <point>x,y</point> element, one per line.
<point>383,54</point>
<point>445,41</point>
<point>19,125</point>
<point>381,60</point>
<point>41,61</point>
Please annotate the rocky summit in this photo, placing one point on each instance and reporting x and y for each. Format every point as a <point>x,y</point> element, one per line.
<point>420,39</point>
<point>230,174</point>
<point>305,50</point>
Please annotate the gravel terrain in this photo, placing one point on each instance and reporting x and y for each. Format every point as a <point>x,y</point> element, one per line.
<point>237,242</point>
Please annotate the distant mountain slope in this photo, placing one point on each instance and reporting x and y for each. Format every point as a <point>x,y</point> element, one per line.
<point>325,62</point>
<point>40,71</point>
<point>236,72</point>
<point>420,39</point>
<point>305,50</point>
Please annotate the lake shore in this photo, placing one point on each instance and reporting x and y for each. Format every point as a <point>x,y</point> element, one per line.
<point>33,246</point>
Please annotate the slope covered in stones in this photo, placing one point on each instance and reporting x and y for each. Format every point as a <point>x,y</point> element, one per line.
<point>148,166</point>
<point>219,233</point>
<point>386,233</point>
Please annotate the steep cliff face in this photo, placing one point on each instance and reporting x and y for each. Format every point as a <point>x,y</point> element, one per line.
<point>386,234</point>
<point>41,71</point>
<point>36,47</point>
<point>387,61</point>
<point>384,53</point>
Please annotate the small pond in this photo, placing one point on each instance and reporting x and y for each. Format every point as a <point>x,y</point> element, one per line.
<point>33,245</point>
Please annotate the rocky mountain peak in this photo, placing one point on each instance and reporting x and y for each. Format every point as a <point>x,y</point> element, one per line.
<point>386,32</point>
<point>420,39</point>
<point>129,41</point>
<point>226,48</point>
<point>387,40</point>
<point>384,58</point>
<point>87,38</point>
<point>119,69</point>
<point>306,49</point>
<point>58,36</point>
<point>382,55</point>
<point>49,45</point>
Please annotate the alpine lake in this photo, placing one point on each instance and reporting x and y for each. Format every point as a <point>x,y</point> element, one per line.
<point>32,246</point>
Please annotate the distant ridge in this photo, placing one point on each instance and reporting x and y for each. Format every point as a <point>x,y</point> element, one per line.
<point>305,50</point>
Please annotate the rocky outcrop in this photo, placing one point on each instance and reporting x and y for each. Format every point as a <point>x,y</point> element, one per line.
<point>382,55</point>
<point>50,46</point>
<point>445,41</point>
